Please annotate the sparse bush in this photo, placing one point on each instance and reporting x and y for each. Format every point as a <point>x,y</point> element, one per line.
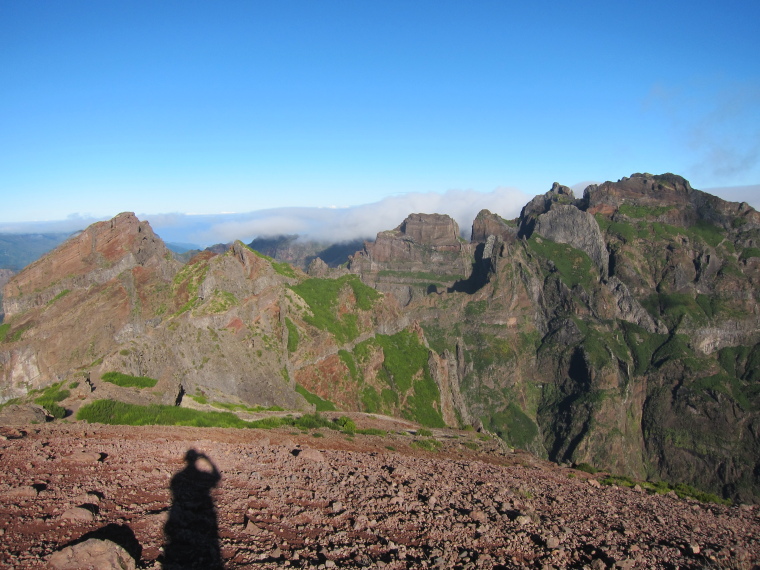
<point>586,468</point>
<point>422,432</point>
<point>321,405</point>
<point>346,424</point>
<point>127,381</point>
<point>50,397</point>
<point>427,444</point>
<point>372,431</point>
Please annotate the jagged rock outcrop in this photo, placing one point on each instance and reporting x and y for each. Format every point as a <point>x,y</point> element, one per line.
<point>423,255</point>
<point>487,224</point>
<point>568,224</point>
<point>620,330</point>
<point>301,252</point>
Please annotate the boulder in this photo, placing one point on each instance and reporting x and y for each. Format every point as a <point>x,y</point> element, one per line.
<point>23,414</point>
<point>92,554</point>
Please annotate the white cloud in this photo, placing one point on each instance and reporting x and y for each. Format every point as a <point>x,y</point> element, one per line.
<point>360,222</point>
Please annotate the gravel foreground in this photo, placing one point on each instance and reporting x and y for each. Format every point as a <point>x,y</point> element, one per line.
<point>283,498</point>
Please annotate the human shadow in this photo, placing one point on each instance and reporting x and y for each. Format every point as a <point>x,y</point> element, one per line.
<point>191,532</point>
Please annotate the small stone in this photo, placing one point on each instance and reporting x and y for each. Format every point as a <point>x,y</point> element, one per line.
<point>594,483</point>
<point>78,514</point>
<point>694,548</point>
<point>552,542</point>
<point>522,520</point>
<point>84,457</point>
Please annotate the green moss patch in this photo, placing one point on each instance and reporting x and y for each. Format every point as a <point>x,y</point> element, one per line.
<point>50,397</point>
<point>127,381</point>
<point>322,297</point>
<point>573,265</point>
<point>321,405</point>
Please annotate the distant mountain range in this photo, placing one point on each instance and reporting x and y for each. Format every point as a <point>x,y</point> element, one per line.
<point>619,329</point>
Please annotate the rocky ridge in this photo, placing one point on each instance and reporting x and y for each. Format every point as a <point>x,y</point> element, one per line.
<point>619,329</point>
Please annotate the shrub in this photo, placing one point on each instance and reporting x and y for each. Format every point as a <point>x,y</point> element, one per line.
<point>422,432</point>
<point>50,397</point>
<point>321,405</point>
<point>346,424</point>
<point>586,468</point>
<point>127,381</point>
<point>427,444</point>
<point>293,336</point>
<point>372,431</point>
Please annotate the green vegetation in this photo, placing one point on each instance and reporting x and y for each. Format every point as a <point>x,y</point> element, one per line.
<point>404,357</point>
<point>372,431</point>
<point>673,307</point>
<point>707,232</point>
<point>127,381</point>
<point>346,424</point>
<point>724,384</point>
<point>661,487</point>
<point>50,397</point>
<point>440,338</point>
<point>221,301</point>
<point>348,359</point>
<point>642,345</point>
<point>600,345</point>
<point>59,296</point>
<point>586,468</point>
<point>422,432</point>
<point>675,348</point>
<point>748,252</point>
<point>427,444</point>
<point>120,413</point>
<point>188,280</point>
<point>370,400</point>
<point>7,336</point>
<point>487,350</point>
<point>405,364</point>
<point>293,336</point>
<point>284,269</point>
<point>74,385</point>
<point>475,309</point>
<point>513,426</point>
<point>573,265</point>
<point>322,297</point>
<point>322,405</point>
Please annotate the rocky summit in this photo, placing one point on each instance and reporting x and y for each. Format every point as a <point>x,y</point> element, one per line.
<point>619,329</point>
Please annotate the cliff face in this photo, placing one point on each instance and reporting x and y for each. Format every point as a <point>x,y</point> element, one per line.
<point>620,329</point>
<point>424,254</point>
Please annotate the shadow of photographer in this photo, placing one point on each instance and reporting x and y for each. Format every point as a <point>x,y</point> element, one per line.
<point>192,532</point>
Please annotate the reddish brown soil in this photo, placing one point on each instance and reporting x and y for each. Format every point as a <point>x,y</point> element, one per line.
<point>289,499</point>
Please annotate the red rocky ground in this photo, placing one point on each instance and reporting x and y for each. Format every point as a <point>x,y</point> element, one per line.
<point>290,499</point>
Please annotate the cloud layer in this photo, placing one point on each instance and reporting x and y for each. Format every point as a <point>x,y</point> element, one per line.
<point>334,225</point>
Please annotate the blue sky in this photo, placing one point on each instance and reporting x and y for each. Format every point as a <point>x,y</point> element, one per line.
<point>212,107</point>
